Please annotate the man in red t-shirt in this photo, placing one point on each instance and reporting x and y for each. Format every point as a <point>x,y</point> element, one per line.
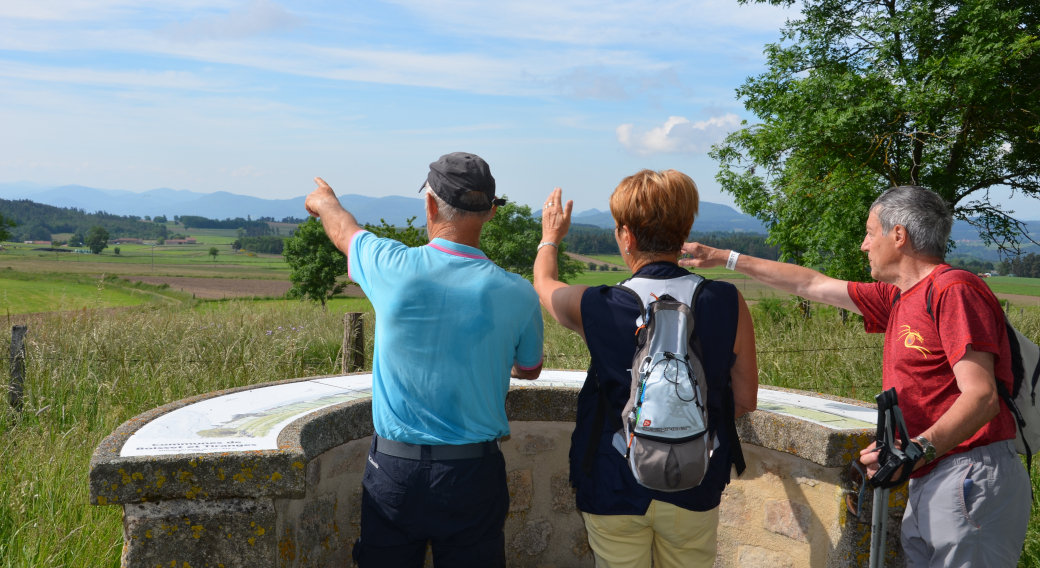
<point>945,348</point>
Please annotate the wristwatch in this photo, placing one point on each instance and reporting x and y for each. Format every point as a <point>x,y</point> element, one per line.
<point>926,447</point>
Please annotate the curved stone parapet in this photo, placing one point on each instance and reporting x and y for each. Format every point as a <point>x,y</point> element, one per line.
<point>269,475</point>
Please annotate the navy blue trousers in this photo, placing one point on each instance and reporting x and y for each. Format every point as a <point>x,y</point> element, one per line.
<point>458,506</point>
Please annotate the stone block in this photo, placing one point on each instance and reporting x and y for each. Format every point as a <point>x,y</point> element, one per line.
<point>235,533</point>
<point>521,489</point>
<point>789,518</point>
<point>532,444</point>
<point>562,492</point>
<point>733,510</point>
<point>350,460</point>
<point>287,545</point>
<point>318,535</point>
<point>533,537</point>
<point>314,472</point>
<point>581,547</point>
<point>758,557</point>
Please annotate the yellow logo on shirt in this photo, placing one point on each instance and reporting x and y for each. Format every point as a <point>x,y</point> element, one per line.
<point>911,338</point>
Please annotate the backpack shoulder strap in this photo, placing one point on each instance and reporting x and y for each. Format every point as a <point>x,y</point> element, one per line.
<point>1002,391</point>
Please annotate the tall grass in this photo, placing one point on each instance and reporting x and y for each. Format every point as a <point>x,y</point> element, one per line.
<point>90,371</point>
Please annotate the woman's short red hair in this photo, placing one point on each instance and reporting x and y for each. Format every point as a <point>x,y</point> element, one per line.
<point>657,207</point>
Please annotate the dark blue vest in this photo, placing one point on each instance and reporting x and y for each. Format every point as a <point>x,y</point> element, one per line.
<point>609,319</point>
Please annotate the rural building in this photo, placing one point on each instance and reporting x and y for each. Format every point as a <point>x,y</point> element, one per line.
<point>37,242</point>
<point>188,241</point>
<point>126,242</point>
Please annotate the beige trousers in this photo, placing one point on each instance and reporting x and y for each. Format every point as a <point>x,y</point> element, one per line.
<point>678,538</point>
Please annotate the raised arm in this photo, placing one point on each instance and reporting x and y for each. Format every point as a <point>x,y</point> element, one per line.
<point>791,278</point>
<point>563,302</point>
<point>339,224</point>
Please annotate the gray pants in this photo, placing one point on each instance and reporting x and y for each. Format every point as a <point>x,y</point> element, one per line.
<point>971,510</point>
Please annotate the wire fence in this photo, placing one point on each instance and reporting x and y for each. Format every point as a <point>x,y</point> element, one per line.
<point>30,356</point>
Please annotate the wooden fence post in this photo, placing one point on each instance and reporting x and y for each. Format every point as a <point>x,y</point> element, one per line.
<point>14,394</point>
<point>353,342</point>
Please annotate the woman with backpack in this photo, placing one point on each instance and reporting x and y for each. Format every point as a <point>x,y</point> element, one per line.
<point>673,365</point>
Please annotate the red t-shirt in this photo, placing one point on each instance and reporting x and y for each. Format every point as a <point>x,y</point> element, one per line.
<point>918,360</point>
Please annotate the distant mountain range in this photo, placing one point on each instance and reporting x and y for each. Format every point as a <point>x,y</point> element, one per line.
<point>713,217</point>
<point>218,205</point>
<point>221,205</point>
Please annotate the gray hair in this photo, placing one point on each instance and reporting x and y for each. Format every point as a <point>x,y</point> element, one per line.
<point>452,214</point>
<point>922,212</point>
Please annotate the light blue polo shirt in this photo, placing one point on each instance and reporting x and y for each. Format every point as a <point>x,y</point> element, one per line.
<point>449,326</point>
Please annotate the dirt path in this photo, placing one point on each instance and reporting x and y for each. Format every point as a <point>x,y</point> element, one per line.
<point>217,288</point>
<point>583,258</point>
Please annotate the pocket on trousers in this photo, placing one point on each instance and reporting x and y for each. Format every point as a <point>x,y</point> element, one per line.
<point>380,486</point>
<point>463,488</point>
<point>971,492</point>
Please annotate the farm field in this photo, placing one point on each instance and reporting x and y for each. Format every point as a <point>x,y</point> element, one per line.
<point>171,260</point>
<point>1014,285</point>
<point>29,296</point>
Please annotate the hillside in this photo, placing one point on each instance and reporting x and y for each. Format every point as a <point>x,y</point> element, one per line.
<point>37,221</point>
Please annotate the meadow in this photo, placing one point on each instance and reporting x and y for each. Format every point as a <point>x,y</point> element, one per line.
<point>107,350</point>
<point>89,371</point>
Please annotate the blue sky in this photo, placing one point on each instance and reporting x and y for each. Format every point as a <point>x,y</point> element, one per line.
<point>257,97</point>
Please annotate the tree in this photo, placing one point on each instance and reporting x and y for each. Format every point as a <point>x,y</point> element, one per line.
<point>5,224</point>
<point>213,252</point>
<point>96,239</point>
<point>409,235</point>
<point>160,241</point>
<point>115,250</point>
<point>315,263</point>
<point>510,239</point>
<point>860,96</point>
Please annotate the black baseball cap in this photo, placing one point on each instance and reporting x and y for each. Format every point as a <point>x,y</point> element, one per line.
<point>458,173</point>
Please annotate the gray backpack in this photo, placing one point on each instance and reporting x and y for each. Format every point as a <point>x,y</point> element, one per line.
<point>665,434</point>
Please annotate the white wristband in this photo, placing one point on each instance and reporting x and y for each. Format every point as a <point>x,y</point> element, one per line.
<point>731,264</point>
<point>546,244</point>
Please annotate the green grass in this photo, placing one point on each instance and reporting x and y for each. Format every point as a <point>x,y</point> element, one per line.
<point>608,258</point>
<point>24,293</point>
<point>90,371</point>
<point>1009,285</point>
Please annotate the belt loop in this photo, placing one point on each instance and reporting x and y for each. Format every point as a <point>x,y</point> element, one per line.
<point>425,457</point>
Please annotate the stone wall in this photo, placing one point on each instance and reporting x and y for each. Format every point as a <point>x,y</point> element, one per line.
<point>299,506</point>
<point>786,511</point>
<point>543,527</point>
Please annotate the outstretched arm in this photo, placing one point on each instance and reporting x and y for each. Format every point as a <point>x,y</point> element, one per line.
<point>339,224</point>
<point>791,278</point>
<point>563,302</point>
<point>744,373</point>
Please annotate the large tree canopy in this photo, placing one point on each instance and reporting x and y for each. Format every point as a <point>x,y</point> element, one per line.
<point>864,95</point>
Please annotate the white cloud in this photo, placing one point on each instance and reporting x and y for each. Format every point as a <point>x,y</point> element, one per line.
<point>148,79</point>
<point>96,10</point>
<point>599,22</point>
<point>677,135</point>
<point>259,17</point>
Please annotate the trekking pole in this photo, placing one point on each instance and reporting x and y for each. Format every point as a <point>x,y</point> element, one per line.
<point>879,520</point>
<point>879,528</point>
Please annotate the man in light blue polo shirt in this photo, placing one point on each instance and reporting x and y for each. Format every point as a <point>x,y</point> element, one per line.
<point>451,328</point>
